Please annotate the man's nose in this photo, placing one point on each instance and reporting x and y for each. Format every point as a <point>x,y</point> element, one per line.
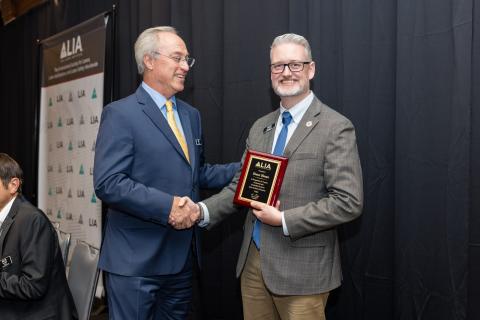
<point>184,65</point>
<point>286,70</point>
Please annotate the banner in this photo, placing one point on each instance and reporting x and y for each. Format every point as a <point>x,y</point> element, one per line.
<point>72,89</point>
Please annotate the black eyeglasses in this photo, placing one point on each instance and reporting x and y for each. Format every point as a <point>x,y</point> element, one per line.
<point>178,59</point>
<point>296,66</point>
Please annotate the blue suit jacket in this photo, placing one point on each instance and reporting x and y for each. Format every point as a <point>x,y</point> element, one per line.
<point>139,167</point>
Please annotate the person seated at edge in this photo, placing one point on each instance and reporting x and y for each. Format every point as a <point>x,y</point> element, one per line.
<point>33,284</point>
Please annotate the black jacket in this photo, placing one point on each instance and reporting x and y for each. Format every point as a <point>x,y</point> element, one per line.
<point>34,285</point>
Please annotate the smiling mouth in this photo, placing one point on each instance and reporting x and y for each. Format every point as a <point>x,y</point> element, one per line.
<point>288,81</point>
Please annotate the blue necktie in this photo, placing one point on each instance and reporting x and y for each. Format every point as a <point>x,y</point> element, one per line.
<point>278,150</point>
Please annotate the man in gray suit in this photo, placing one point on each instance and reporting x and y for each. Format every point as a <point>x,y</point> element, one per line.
<point>290,259</point>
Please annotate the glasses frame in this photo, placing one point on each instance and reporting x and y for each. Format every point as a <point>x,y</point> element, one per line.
<point>187,59</point>
<point>289,66</point>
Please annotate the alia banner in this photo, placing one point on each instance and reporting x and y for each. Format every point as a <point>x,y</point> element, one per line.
<point>72,88</point>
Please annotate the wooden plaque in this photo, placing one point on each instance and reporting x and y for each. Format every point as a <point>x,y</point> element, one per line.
<point>261,178</point>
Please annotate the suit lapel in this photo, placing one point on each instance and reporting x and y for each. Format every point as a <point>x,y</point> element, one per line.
<point>269,132</point>
<point>187,131</point>
<point>153,112</point>
<point>7,223</point>
<point>308,123</point>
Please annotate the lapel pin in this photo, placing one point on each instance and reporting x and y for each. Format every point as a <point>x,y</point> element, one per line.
<point>270,127</point>
<point>309,123</point>
<point>198,142</point>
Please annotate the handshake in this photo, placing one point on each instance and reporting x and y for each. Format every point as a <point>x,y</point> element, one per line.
<point>184,214</point>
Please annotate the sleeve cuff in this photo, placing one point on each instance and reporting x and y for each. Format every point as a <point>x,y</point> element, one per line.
<point>284,225</point>
<point>206,215</point>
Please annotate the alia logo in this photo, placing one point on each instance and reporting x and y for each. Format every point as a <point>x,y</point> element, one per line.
<point>71,47</point>
<point>263,165</point>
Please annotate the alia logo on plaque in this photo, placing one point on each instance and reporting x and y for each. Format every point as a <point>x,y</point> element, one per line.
<point>261,178</point>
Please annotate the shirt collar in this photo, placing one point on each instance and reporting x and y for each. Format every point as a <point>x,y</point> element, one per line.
<point>4,212</point>
<point>298,110</point>
<point>157,97</point>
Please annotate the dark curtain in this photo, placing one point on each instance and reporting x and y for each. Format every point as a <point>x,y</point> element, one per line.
<point>406,73</point>
<point>473,297</point>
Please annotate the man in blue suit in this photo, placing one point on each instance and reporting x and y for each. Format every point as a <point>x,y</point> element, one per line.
<point>149,154</point>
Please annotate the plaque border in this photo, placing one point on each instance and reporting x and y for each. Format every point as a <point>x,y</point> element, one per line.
<point>276,183</point>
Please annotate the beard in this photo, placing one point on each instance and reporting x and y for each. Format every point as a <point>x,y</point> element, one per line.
<point>291,91</point>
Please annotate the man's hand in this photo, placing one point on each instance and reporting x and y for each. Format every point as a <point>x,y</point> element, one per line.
<point>184,213</point>
<point>267,214</point>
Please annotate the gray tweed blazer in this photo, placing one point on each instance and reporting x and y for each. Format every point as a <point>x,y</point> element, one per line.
<point>322,189</point>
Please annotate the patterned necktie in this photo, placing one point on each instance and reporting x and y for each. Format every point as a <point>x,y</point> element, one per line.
<point>176,132</point>
<point>278,150</point>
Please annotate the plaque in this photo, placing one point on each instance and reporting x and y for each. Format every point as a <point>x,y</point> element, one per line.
<point>261,178</point>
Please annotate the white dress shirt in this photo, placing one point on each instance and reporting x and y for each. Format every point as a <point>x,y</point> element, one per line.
<point>5,210</point>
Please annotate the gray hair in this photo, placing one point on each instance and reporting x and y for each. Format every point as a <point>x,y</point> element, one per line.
<point>292,38</point>
<point>147,42</point>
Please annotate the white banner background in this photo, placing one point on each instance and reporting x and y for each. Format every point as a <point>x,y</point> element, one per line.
<point>71,103</point>
<point>69,120</point>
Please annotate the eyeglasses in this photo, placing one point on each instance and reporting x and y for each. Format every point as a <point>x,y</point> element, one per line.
<point>178,59</point>
<point>296,66</point>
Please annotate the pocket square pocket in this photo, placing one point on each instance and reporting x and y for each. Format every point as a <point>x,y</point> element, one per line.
<point>302,243</point>
<point>304,155</point>
<point>319,239</point>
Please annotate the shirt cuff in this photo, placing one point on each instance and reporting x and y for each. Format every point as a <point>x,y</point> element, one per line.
<point>284,225</point>
<point>206,215</point>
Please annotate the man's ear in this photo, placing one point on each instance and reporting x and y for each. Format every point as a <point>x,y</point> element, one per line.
<point>14,186</point>
<point>311,71</point>
<point>148,62</point>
